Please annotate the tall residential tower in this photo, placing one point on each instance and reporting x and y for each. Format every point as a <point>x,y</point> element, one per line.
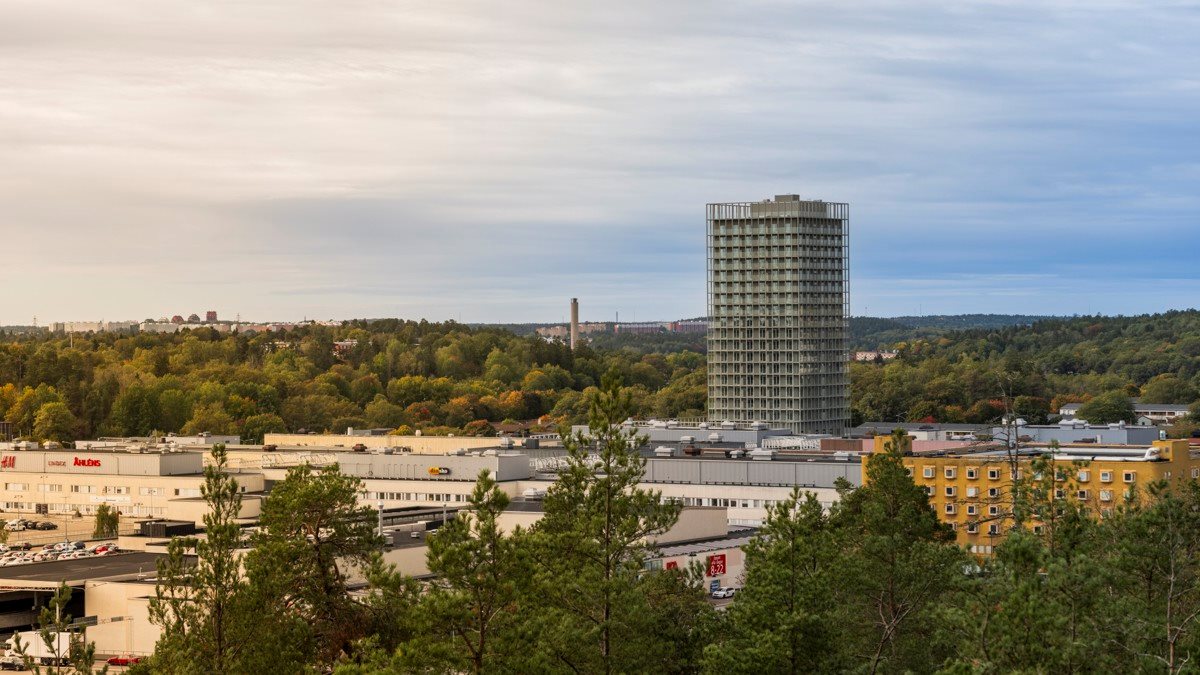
<point>778,314</point>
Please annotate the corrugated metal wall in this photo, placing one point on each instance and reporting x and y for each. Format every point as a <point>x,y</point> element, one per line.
<point>750,472</point>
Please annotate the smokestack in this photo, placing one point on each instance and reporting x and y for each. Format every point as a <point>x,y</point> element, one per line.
<point>574,322</point>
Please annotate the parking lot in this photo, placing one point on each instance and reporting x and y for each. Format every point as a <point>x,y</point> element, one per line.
<point>69,529</point>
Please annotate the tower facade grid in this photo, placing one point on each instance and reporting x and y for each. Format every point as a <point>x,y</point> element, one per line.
<point>778,308</point>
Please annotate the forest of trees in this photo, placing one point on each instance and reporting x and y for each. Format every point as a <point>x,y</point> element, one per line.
<point>403,375</point>
<point>449,378</point>
<point>966,376</point>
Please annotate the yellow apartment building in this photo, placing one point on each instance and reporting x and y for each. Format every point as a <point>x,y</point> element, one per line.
<point>970,489</point>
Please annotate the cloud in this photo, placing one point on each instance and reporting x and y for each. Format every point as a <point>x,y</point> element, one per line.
<point>284,159</point>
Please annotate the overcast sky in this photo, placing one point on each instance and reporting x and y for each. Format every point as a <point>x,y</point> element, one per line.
<point>486,161</point>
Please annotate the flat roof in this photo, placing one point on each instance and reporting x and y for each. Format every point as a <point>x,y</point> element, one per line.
<point>78,571</point>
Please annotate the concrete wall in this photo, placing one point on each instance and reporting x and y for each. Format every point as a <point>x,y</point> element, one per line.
<point>134,634</point>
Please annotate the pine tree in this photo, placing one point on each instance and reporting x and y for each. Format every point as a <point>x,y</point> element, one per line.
<point>900,563</point>
<point>481,573</point>
<point>313,534</point>
<point>591,545</point>
<point>200,603</point>
<point>784,618</point>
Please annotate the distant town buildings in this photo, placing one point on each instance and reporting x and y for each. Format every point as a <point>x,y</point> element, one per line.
<point>93,326</point>
<point>778,313</point>
<point>881,355</point>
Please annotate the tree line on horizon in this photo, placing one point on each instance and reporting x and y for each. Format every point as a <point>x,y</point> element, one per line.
<point>403,375</point>
<point>448,378</point>
<point>976,375</point>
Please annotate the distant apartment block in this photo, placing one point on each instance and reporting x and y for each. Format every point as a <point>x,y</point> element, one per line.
<point>778,313</point>
<point>881,355</point>
<point>645,328</point>
<point>93,326</point>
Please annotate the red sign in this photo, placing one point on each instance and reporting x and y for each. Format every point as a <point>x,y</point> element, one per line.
<point>87,462</point>
<point>716,565</point>
<point>8,462</point>
<point>672,565</point>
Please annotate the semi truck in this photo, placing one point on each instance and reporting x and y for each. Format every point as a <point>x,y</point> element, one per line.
<point>36,648</point>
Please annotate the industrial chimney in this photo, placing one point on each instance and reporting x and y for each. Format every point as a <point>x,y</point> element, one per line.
<point>574,322</point>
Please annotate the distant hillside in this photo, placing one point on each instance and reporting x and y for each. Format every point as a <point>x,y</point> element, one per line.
<point>867,332</point>
<point>967,321</point>
<point>958,376</point>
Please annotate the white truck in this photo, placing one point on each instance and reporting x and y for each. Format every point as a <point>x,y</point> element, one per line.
<point>37,649</point>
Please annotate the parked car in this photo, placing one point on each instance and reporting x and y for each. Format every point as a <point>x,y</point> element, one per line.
<point>12,663</point>
<point>46,525</point>
<point>124,660</point>
<point>724,592</point>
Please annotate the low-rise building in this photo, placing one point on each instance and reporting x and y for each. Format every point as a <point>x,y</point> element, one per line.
<point>1156,413</point>
<point>136,484</point>
<point>1071,431</point>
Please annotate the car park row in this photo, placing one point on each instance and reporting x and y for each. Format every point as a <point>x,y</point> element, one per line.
<point>19,555</point>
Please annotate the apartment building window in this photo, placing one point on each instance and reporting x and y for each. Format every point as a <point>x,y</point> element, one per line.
<point>993,510</point>
<point>85,489</point>
<point>950,472</point>
<point>47,487</point>
<point>1129,476</point>
<point>993,474</point>
<point>16,487</point>
<point>1105,476</point>
<point>1081,494</point>
<point>953,527</point>
<point>972,509</point>
<point>993,529</point>
<point>951,490</point>
<point>951,509</point>
<point>972,491</point>
<point>1083,476</point>
<point>908,470</point>
<point>1059,494</point>
<point>993,492</point>
<point>972,473</point>
<point>1037,529</point>
<point>972,528</point>
<point>927,472</point>
<point>1106,495</point>
<point>929,490</point>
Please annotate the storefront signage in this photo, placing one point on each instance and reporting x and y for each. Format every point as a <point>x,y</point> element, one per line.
<point>56,462</point>
<point>439,471</point>
<point>86,462</point>
<point>8,462</point>
<point>716,565</point>
<point>672,565</point>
